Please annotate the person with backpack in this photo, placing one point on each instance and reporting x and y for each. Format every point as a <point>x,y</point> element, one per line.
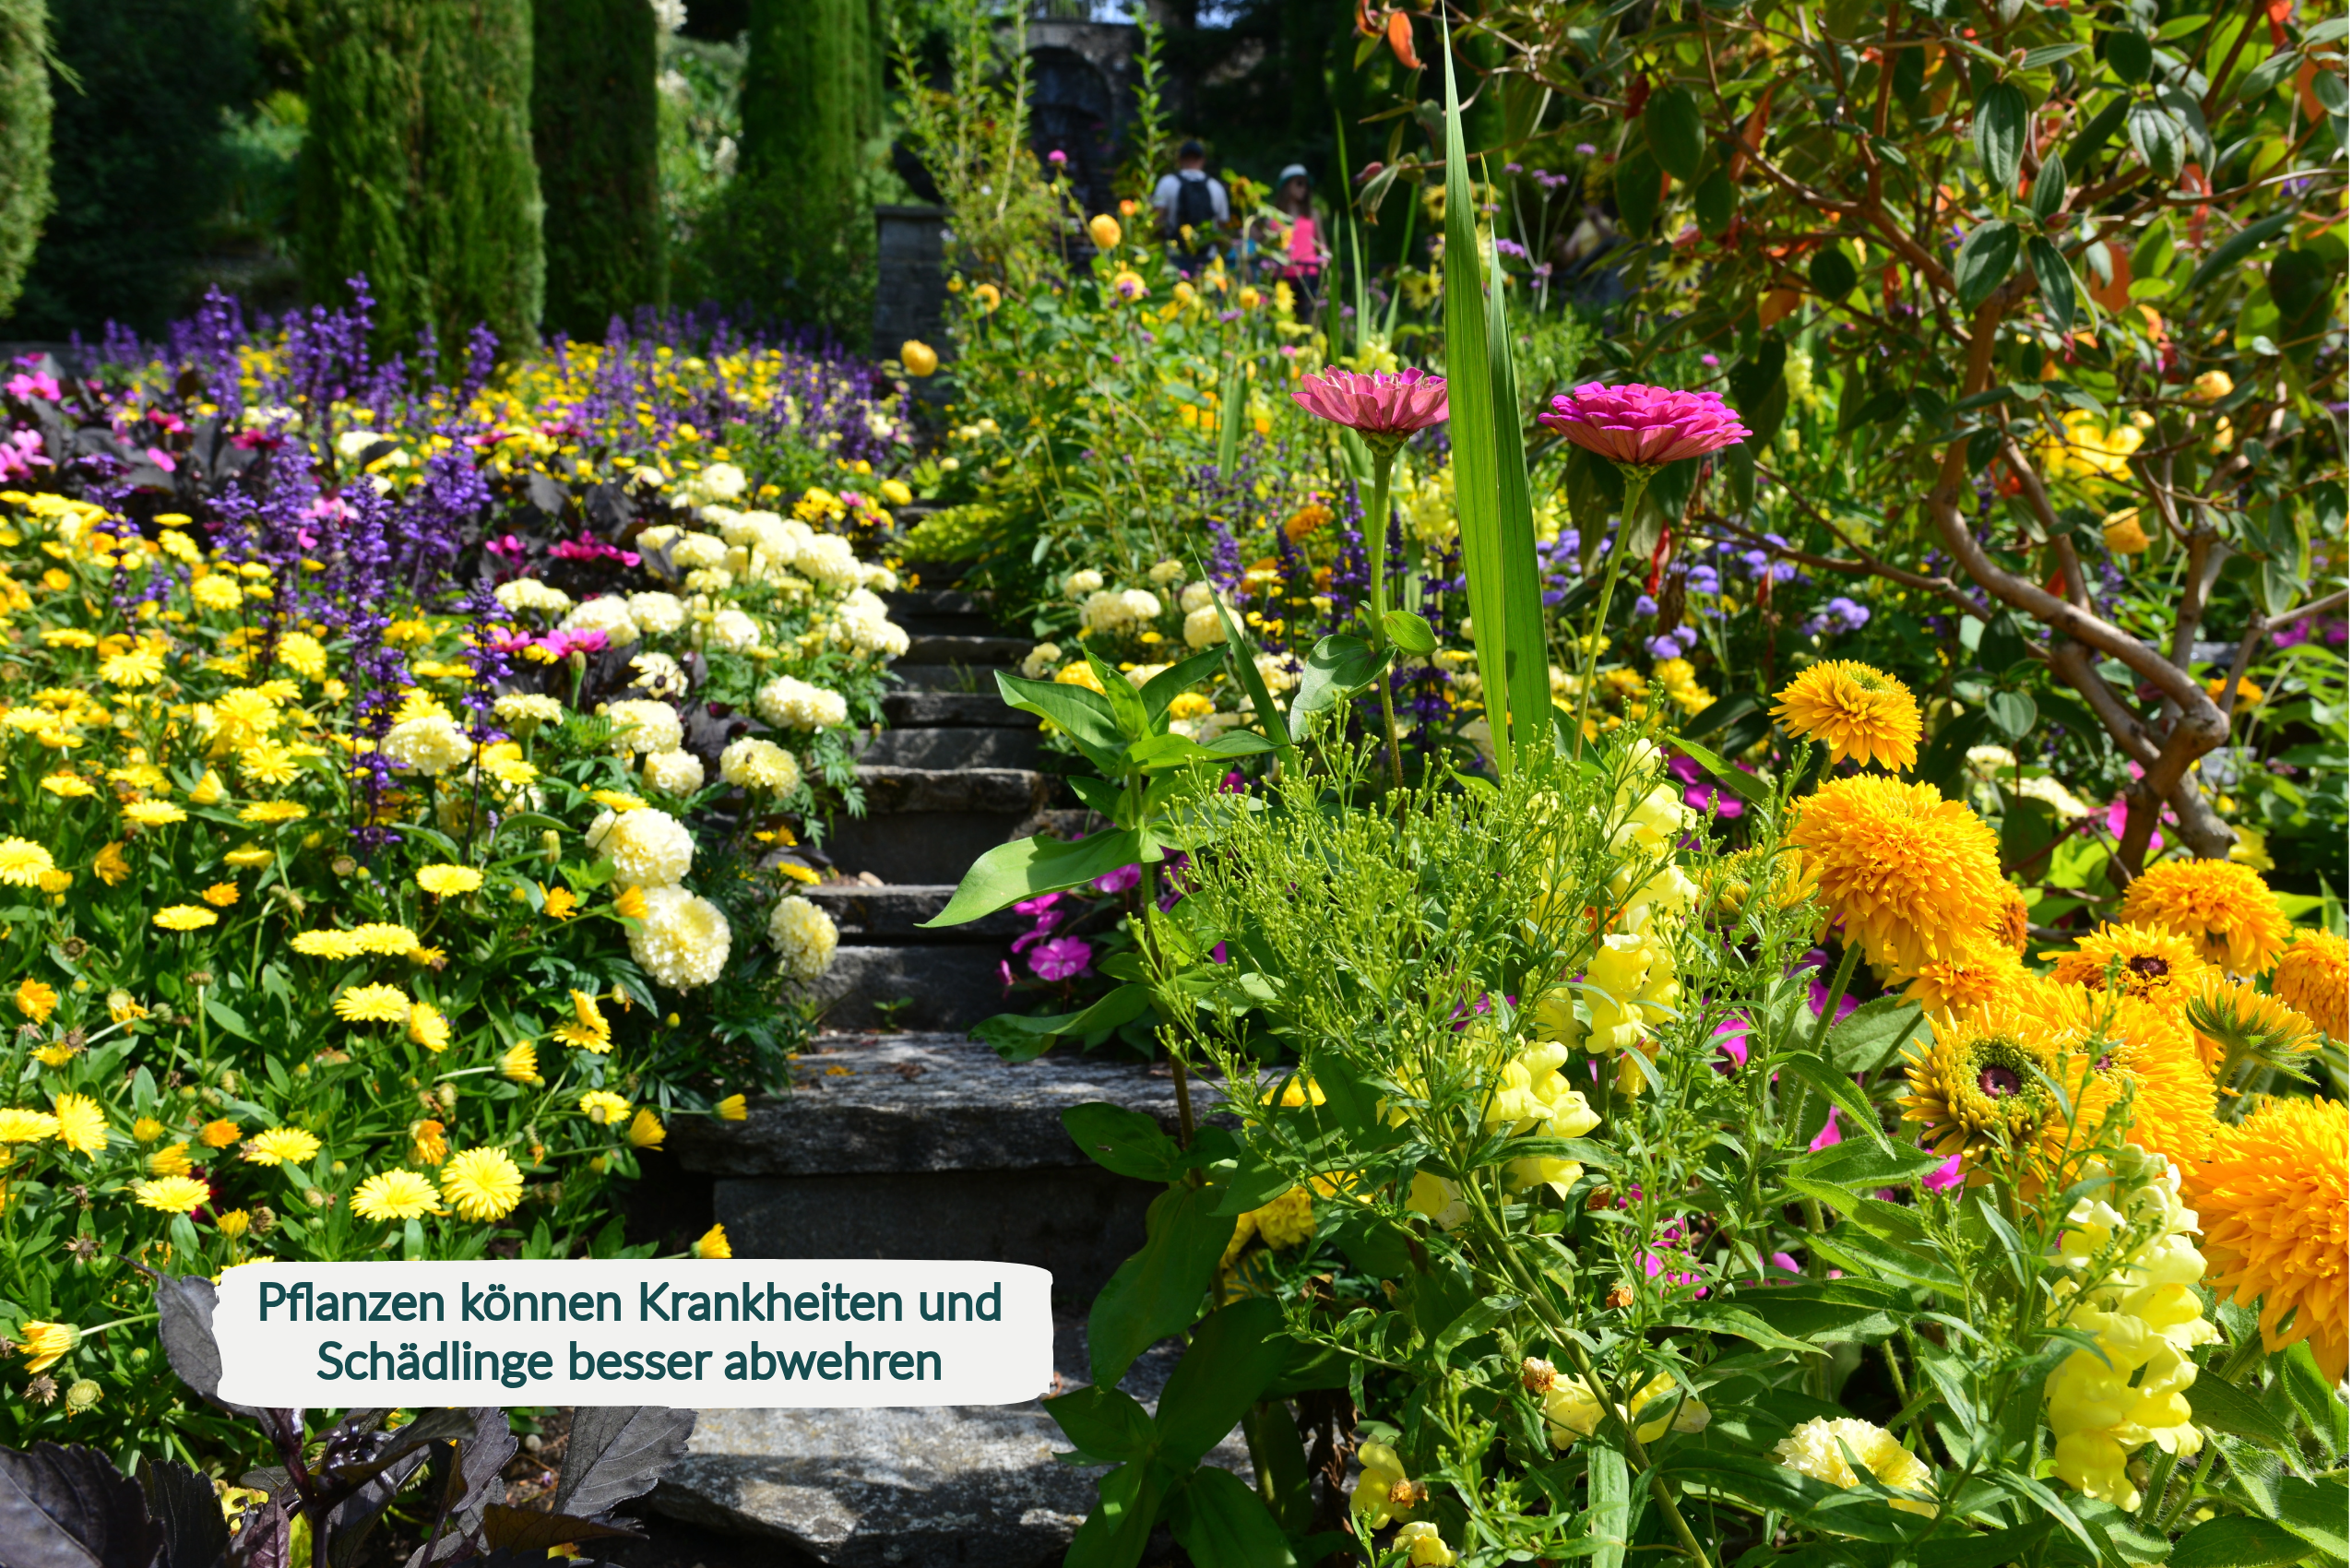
<point>1191,200</point>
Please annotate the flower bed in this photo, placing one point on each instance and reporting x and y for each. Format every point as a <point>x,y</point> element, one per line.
<point>409,784</point>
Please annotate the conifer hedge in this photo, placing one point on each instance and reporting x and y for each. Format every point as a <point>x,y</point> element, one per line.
<point>596,126</point>
<point>419,170</point>
<point>24,142</point>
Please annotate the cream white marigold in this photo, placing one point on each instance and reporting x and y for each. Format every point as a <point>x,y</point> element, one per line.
<point>682,941</point>
<point>790,703</point>
<point>609,614</point>
<point>433,744</point>
<point>804,936</point>
<point>647,847</point>
<point>754,764</point>
<point>674,773</point>
<point>646,726</point>
<point>530,593</point>
<point>657,614</point>
<point>732,631</point>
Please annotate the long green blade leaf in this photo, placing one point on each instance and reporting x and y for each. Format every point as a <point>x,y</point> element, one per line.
<point>1524,652</point>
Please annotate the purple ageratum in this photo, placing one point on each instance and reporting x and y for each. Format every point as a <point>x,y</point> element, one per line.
<point>1385,406</point>
<point>1645,427</point>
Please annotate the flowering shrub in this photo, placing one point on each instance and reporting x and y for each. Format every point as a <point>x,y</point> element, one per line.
<point>405,831</point>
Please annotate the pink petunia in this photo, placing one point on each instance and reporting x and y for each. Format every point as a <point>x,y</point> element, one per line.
<point>1645,427</point>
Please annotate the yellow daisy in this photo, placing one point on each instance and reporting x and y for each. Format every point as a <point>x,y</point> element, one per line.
<point>604,1107</point>
<point>153,814</point>
<point>386,937</point>
<point>373,1005</point>
<point>69,786</point>
<point>280,1145</point>
<point>2235,1023</point>
<point>1915,876</point>
<point>483,1184</point>
<point>2146,960</point>
<point>46,1344</point>
<point>428,1027</point>
<point>646,1130</point>
<point>172,1159</point>
<point>395,1195</point>
<point>520,1062</point>
<point>448,881</point>
<point>112,867</point>
<point>1862,713</point>
<point>22,861</point>
<point>186,917</point>
<point>172,1194</point>
<point>273,812</point>
<point>2313,978</point>
<point>326,944</point>
<point>586,1027</point>
<point>18,1125</point>
<point>1978,1085</point>
<point>712,1243</point>
<point>733,1108</point>
<point>81,1123</point>
<point>36,999</point>
<point>218,1133</point>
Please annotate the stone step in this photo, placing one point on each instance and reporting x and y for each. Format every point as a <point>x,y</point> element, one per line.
<point>928,825</point>
<point>921,1146</point>
<point>869,916</point>
<point>926,710</point>
<point>940,613</point>
<point>972,651</point>
<point>923,985</point>
<point>953,678</point>
<point>938,748</point>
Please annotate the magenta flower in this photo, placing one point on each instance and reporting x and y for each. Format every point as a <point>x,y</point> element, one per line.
<point>1644,427</point>
<point>1388,406</point>
<point>1119,880</point>
<point>1064,958</point>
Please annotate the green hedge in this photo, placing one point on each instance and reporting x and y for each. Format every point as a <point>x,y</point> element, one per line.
<point>419,170</point>
<point>24,141</point>
<point>596,126</point>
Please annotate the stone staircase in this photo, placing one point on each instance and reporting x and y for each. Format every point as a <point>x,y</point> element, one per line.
<point>954,776</point>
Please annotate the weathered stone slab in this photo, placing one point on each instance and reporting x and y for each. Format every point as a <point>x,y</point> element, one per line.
<point>943,985</point>
<point>868,915</point>
<point>1009,792</point>
<point>915,710</point>
<point>930,824</point>
<point>922,1102</point>
<point>969,747</point>
<point>972,651</point>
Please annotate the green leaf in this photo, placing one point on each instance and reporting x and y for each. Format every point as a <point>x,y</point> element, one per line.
<point>1161,753</point>
<point>1733,1317</point>
<point>1860,1253</point>
<point>1824,1311</point>
<point>1220,1523</point>
<point>1232,413</point>
<point>1871,1033</point>
<point>1745,785</point>
<point>1125,702</point>
<point>2049,188</point>
<point>1104,1423</point>
<point>2237,248</point>
<point>1860,1167</point>
<point>1677,136</point>
<point>1178,679</point>
<point>2055,278</point>
<point>1480,1317</point>
<point>2317,1510</point>
<point>1241,656</point>
<point>1526,653</point>
<point>1157,1292</point>
<point>1987,257</point>
<point>2095,136</point>
<point>1341,665</point>
<point>1831,273</point>
<point>1409,632</point>
<point>1825,1078</point>
<point>1234,1354</point>
<point>1127,1507</point>
<point>1815,1503</point>
<point>2012,713</point>
<point>1084,714</point>
<point>1028,867</point>
<point>1715,201</point>
<point>1610,1494</point>
<point>2130,55</point>
<point>1128,1142</point>
<point>1636,188</point>
<point>2000,134</point>
<point>2236,1541</point>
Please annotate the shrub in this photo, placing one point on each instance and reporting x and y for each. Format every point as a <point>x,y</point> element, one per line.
<point>25,196</point>
<point>595,130</point>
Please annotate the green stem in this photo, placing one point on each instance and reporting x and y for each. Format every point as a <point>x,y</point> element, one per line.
<point>1376,549</point>
<point>2204,1468</point>
<point>1636,481</point>
<point>1836,994</point>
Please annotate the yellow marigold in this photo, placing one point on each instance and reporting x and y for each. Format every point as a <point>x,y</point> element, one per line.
<point>22,862</point>
<point>2272,1198</point>
<point>712,1243</point>
<point>1914,876</point>
<point>274,812</point>
<point>2235,1023</point>
<point>233,1224</point>
<point>428,1027</point>
<point>2146,960</point>
<point>172,1194</point>
<point>2226,909</point>
<point>2011,928</point>
<point>1977,1085</point>
<point>153,814</point>
<point>280,1145</point>
<point>557,903</point>
<point>1819,1448</point>
<point>186,917</point>
<point>428,1142</point>
<point>36,1000</point>
<point>247,857</point>
<point>220,894</point>
<point>483,1184</point>
<point>111,868</point>
<point>391,939</point>
<point>147,1129</point>
<point>1862,713</point>
<point>140,667</point>
<point>69,786</point>
<point>373,1005</point>
<point>2313,978</point>
<point>604,1107</point>
<point>1980,973</point>
<point>46,1344</point>
<point>733,1108</point>
<point>448,881</point>
<point>2141,1047</point>
<point>1079,673</point>
<point>646,1130</point>
<point>209,789</point>
<point>630,904</point>
<point>395,1195</point>
<point>172,1159</point>
<point>220,1133</point>
<point>81,1123</point>
<point>520,1062</point>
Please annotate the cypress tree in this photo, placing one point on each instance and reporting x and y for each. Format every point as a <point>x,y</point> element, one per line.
<point>24,142</point>
<point>791,238</point>
<point>419,172</point>
<point>596,126</point>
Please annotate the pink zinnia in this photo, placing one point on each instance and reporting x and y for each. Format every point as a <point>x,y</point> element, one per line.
<point>1388,406</point>
<point>1644,427</point>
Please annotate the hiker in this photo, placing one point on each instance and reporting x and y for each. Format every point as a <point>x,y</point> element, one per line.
<point>1191,199</point>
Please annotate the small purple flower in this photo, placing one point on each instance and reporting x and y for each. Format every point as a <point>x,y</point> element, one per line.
<point>1644,607</point>
<point>1064,958</point>
<point>1586,150</point>
<point>1119,880</point>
